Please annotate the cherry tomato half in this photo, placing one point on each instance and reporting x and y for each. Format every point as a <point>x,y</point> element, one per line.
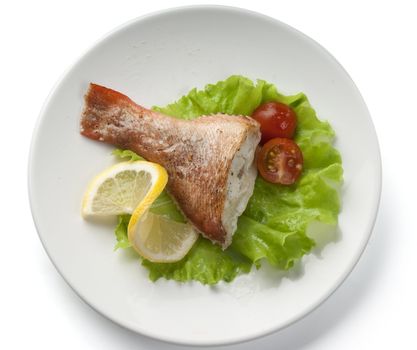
<point>276,119</point>
<point>280,161</point>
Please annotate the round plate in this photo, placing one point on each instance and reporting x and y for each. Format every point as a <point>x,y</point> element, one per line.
<point>155,59</point>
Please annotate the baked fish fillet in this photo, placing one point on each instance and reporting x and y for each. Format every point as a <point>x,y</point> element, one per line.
<point>209,160</point>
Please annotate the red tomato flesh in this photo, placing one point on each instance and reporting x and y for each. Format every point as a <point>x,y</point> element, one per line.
<point>276,119</point>
<point>280,161</point>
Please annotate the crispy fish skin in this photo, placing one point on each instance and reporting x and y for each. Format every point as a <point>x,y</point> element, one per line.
<point>197,154</point>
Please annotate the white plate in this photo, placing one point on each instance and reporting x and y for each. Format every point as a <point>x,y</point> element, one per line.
<point>154,60</point>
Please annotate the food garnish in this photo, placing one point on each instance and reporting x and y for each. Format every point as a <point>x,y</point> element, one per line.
<point>276,120</point>
<point>280,161</point>
<point>124,188</point>
<point>160,239</point>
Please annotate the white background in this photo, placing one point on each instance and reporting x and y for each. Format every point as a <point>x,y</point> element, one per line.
<point>374,40</point>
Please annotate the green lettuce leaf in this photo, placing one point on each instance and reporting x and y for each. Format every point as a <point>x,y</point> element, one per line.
<point>125,153</point>
<point>274,225</point>
<point>121,232</point>
<point>205,262</point>
<point>257,241</point>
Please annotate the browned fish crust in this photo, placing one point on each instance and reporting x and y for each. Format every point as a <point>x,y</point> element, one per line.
<point>197,154</point>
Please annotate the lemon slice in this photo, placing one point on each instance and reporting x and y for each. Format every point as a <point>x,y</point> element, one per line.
<point>160,239</point>
<point>124,188</point>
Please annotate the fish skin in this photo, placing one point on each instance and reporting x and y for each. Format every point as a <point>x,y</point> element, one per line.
<point>197,154</point>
